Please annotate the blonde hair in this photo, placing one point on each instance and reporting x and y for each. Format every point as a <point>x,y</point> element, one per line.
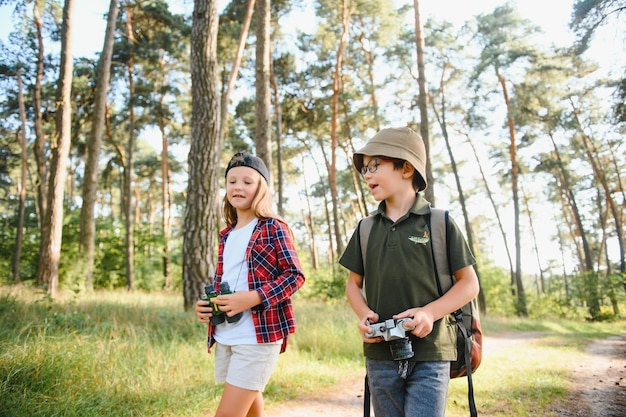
<point>261,204</point>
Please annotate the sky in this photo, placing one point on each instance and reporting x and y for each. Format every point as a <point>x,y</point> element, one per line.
<point>551,15</point>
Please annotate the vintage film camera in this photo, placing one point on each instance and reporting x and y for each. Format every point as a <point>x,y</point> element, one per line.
<point>394,332</point>
<point>219,316</point>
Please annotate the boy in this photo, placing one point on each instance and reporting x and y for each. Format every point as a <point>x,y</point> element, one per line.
<point>400,283</point>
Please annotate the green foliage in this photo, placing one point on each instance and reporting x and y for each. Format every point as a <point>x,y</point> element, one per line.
<point>496,286</point>
<point>325,284</point>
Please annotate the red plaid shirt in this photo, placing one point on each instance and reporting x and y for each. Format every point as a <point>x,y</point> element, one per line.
<point>274,272</point>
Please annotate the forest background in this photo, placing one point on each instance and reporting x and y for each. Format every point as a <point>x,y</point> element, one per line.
<point>111,164</point>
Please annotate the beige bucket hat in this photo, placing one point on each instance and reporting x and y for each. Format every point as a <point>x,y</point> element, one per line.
<point>396,142</point>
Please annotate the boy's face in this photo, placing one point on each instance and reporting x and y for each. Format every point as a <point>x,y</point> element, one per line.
<point>383,180</point>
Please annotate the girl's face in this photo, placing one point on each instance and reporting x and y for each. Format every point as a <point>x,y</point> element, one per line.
<point>241,187</point>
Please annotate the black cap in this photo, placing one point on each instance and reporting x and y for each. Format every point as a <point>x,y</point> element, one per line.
<point>244,159</point>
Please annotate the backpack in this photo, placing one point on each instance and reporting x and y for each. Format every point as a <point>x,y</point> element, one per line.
<point>469,330</point>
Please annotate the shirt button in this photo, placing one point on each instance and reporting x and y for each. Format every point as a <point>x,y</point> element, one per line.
<point>393,229</point>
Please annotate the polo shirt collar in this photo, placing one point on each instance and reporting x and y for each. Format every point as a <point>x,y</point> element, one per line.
<point>421,207</point>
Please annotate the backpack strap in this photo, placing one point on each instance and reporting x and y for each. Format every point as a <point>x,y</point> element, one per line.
<point>438,225</point>
<point>365,227</point>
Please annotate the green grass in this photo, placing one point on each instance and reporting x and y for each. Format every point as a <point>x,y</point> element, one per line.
<point>139,354</point>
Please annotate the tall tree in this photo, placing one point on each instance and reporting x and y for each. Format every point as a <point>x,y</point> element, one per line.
<point>230,85</point>
<point>423,101</point>
<point>127,164</point>
<point>53,225</point>
<point>263,99</point>
<point>601,177</point>
<point>19,235</point>
<point>40,142</point>
<point>337,86</point>
<point>202,209</point>
<point>502,37</point>
<point>94,144</point>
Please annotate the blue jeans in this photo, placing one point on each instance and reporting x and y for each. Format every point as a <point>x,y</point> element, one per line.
<point>422,394</point>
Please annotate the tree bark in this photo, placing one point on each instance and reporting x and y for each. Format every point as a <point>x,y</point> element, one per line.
<point>94,143</point>
<point>53,224</point>
<point>202,209</point>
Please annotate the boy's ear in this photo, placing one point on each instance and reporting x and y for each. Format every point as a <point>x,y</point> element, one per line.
<point>408,170</point>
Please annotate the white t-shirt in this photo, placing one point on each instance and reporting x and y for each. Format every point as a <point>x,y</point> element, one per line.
<point>235,272</point>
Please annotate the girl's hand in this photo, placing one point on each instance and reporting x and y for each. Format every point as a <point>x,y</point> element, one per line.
<point>237,302</point>
<point>204,311</point>
<point>421,320</point>
<point>364,327</point>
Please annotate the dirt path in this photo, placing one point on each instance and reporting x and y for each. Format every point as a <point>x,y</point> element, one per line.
<point>598,387</point>
<point>599,384</point>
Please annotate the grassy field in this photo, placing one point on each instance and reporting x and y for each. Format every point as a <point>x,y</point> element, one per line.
<point>138,354</point>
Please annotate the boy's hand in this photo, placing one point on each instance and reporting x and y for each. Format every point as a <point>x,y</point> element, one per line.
<point>364,327</point>
<point>421,319</point>
<point>204,311</point>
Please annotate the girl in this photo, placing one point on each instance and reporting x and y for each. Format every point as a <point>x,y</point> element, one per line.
<point>257,258</point>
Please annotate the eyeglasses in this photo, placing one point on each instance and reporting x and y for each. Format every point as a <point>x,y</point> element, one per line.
<point>372,167</point>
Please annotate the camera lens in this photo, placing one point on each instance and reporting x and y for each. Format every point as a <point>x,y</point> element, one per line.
<point>401,349</point>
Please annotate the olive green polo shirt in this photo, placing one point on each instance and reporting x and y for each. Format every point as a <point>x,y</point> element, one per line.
<point>400,274</point>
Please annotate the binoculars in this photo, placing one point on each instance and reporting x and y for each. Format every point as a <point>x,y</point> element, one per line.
<point>219,316</point>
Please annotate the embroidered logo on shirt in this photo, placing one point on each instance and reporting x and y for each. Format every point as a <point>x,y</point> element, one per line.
<point>420,239</point>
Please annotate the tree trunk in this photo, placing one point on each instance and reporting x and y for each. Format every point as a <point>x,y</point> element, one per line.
<point>53,225</point>
<point>441,119</point>
<point>307,217</point>
<point>587,264</point>
<point>533,234</point>
<point>368,53</point>
<point>21,137</point>
<point>202,210</point>
<point>235,70</point>
<point>279,147</point>
<point>128,165</point>
<point>521,296</point>
<point>166,199</point>
<point>94,143</point>
<point>423,102</point>
<point>263,102</point>
<point>40,137</point>
<point>601,177</point>
<point>332,167</point>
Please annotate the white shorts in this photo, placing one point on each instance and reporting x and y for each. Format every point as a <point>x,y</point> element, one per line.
<point>246,366</point>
